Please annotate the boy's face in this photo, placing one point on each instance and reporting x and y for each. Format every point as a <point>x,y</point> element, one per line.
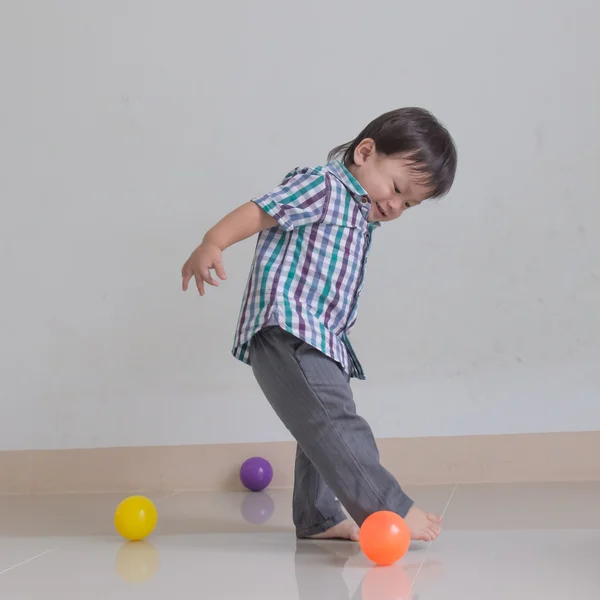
<point>391,182</point>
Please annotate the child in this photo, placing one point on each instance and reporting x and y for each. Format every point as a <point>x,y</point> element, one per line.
<point>301,301</point>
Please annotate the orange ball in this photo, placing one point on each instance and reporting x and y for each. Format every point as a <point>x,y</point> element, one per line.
<point>384,537</point>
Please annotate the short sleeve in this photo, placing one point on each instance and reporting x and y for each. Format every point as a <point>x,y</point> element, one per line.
<point>301,199</point>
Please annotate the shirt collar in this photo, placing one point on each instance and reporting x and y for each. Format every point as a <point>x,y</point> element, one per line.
<point>358,193</point>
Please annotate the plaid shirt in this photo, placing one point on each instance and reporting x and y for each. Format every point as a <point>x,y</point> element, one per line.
<point>308,272</point>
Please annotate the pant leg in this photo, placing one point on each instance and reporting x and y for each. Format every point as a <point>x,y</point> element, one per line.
<point>315,506</point>
<point>312,396</point>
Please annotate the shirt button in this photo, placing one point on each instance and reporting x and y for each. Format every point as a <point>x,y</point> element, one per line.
<point>364,200</point>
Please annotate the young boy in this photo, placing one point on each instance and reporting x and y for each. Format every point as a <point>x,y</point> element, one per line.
<point>301,301</point>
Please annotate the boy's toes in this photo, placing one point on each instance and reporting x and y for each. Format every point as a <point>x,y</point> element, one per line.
<point>423,526</point>
<point>434,532</point>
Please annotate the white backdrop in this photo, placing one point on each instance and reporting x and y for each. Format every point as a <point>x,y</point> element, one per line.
<point>128,127</point>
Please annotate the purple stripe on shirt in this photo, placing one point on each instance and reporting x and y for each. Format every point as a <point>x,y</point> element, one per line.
<point>308,258</point>
<point>351,288</point>
<point>262,245</point>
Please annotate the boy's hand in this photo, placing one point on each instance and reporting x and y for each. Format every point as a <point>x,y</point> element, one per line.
<point>238,225</point>
<point>205,257</point>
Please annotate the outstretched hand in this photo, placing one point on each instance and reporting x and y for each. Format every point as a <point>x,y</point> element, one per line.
<point>204,259</point>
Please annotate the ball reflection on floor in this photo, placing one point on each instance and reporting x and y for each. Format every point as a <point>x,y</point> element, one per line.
<point>257,508</point>
<point>137,562</point>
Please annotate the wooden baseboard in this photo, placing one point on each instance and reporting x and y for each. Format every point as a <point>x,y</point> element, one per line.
<point>439,460</point>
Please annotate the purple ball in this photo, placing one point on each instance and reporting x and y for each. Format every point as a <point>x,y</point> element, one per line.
<point>256,474</point>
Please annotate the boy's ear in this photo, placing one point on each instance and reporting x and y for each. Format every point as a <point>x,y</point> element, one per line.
<point>364,150</point>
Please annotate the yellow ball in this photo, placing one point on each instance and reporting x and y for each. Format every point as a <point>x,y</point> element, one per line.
<point>135,518</point>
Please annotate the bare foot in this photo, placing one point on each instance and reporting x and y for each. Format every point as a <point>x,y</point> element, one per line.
<point>346,530</point>
<point>423,526</point>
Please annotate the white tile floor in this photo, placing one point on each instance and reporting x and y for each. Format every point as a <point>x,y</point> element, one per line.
<point>525,541</point>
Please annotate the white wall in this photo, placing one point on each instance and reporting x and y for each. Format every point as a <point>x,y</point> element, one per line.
<point>128,127</point>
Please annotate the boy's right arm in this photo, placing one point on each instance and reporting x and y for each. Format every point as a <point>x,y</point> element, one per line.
<point>238,225</point>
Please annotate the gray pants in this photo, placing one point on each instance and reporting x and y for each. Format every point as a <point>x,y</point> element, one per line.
<point>337,456</point>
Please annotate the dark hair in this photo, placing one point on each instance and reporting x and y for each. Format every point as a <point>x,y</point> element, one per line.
<point>415,133</point>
